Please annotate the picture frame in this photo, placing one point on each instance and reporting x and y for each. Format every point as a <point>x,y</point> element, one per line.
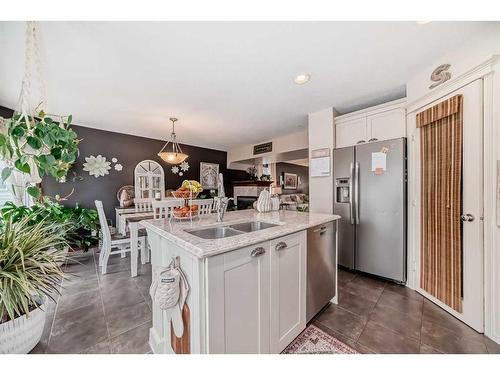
<point>290,181</point>
<point>209,174</point>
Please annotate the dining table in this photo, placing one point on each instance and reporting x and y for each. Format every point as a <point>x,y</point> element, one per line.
<point>132,222</point>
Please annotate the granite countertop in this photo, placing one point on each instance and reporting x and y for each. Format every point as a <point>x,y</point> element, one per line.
<point>289,222</point>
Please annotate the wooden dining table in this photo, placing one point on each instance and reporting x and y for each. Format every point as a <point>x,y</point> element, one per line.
<point>132,222</point>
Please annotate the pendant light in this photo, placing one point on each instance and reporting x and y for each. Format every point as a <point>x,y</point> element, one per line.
<point>175,155</point>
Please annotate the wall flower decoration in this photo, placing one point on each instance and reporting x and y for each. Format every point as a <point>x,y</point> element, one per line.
<point>96,165</point>
<point>184,166</point>
<point>175,169</point>
<point>118,167</point>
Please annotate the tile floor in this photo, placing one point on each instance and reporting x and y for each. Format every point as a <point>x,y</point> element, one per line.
<point>99,313</point>
<point>112,314</point>
<point>374,316</point>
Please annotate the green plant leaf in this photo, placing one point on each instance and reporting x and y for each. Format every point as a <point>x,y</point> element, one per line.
<point>34,192</point>
<point>18,131</point>
<point>23,167</point>
<point>70,118</point>
<point>6,173</point>
<point>34,142</point>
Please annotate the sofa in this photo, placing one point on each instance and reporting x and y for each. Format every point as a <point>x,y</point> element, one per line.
<point>295,202</point>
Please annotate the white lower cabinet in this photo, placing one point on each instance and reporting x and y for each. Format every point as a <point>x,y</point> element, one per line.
<point>256,296</point>
<point>288,289</point>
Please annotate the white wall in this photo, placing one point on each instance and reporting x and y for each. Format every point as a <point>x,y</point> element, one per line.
<point>462,60</point>
<point>321,135</point>
<point>286,143</point>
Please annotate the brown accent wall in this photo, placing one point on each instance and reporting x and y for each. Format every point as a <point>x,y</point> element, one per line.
<point>129,150</point>
<point>302,172</point>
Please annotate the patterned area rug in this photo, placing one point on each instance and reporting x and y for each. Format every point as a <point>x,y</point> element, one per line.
<point>315,341</point>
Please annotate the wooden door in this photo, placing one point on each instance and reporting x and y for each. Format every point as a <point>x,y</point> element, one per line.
<point>350,132</point>
<point>386,125</point>
<point>288,290</point>
<point>472,204</point>
<point>238,301</point>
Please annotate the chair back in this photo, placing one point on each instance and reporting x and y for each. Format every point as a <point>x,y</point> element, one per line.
<point>143,204</point>
<point>163,209</point>
<point>106,234</point>
<point>204,205</point>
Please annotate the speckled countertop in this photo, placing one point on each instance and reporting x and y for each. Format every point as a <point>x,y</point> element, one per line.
<point>289,222</point>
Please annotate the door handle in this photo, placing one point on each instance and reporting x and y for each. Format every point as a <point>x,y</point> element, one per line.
<point>351,192</point>
<point>467,217</point>
<point>280,246</point>
<point>258,251</point>
<point>373,140</point>
<point>356,195</point>
<point>360,142</point>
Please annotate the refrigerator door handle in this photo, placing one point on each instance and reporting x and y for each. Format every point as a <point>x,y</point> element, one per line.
<point>356,192</point>
<point>351,192</point>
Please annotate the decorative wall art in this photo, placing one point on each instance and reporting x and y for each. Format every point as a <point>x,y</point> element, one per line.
<point>209,173</point>
<point>440,75</point>
<point>96,165</point>
<point>181,168</point>
<point>290,180</point>
<point>99,166</point>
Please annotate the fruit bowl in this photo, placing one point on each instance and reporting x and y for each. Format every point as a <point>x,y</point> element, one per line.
<point>186,212</point>
<point>184,194</point>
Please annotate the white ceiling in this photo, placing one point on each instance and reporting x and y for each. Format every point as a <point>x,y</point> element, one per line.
<point>228,82</point>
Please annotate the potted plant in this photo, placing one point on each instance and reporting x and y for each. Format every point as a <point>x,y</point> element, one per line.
<point>29,276</point>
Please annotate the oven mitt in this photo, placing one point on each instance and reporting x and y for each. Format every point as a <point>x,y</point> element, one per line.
<point>177,322</point>
<point>166,288</point>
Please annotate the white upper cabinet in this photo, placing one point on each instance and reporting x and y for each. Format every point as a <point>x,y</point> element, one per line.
<point>386,125</point>
<point>385,121</point>
<point>351,132</point>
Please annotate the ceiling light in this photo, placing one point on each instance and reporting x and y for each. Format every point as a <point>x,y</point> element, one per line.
<point>302,78</point>
<point>175,156</point>
<point>423,22</point>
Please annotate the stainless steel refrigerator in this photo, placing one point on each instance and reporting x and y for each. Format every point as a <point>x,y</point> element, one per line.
<point>370,196</point>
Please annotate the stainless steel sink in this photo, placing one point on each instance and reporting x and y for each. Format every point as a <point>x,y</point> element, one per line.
<point>252,226</point>
<point>214,233</point>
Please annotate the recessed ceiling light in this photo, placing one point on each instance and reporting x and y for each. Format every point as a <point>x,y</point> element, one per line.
<point>302,78</point>
<point>423,22</point>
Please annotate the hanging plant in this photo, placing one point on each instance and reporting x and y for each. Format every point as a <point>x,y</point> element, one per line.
<point>38,146</point>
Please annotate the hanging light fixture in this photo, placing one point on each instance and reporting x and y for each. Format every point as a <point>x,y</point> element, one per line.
<point>175,156</point>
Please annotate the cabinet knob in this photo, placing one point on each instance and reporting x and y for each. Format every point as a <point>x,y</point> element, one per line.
<point>258,251</point>
<point>361,141</point>
<point>373,140</point>
<point>280,246</point>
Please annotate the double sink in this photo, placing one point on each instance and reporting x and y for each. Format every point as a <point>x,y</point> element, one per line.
<point>230,230</point>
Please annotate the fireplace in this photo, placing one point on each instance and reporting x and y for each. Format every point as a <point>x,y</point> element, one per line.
<point>244,202</point>
<point>247,192</point>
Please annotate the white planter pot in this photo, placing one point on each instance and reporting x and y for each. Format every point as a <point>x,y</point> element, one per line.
<point>20,336</point>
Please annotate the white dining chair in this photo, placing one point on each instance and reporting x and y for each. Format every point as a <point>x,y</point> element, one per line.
<point>163,209</point>
<point>204,205</point>
<point>143,204</point>
<point>116,243</point>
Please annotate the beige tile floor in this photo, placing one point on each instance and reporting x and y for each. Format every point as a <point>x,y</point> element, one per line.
<point>112,314</point>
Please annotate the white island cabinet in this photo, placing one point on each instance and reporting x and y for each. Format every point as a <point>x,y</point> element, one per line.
<point>247,292</point>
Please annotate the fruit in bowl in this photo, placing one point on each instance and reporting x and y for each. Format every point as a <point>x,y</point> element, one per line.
<point>188,189</point>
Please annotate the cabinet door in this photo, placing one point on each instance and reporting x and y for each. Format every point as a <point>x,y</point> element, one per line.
<point>238,301</point>
<point>350,132</point>
<point>387,125</point>
<point>288,289</point>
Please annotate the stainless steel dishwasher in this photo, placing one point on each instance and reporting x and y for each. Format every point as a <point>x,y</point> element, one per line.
<point>321,267</point>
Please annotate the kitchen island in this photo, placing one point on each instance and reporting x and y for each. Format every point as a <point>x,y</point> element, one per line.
<point>247,280</point>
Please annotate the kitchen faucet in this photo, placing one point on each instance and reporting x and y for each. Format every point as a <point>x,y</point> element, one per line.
<point>221,209</point>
